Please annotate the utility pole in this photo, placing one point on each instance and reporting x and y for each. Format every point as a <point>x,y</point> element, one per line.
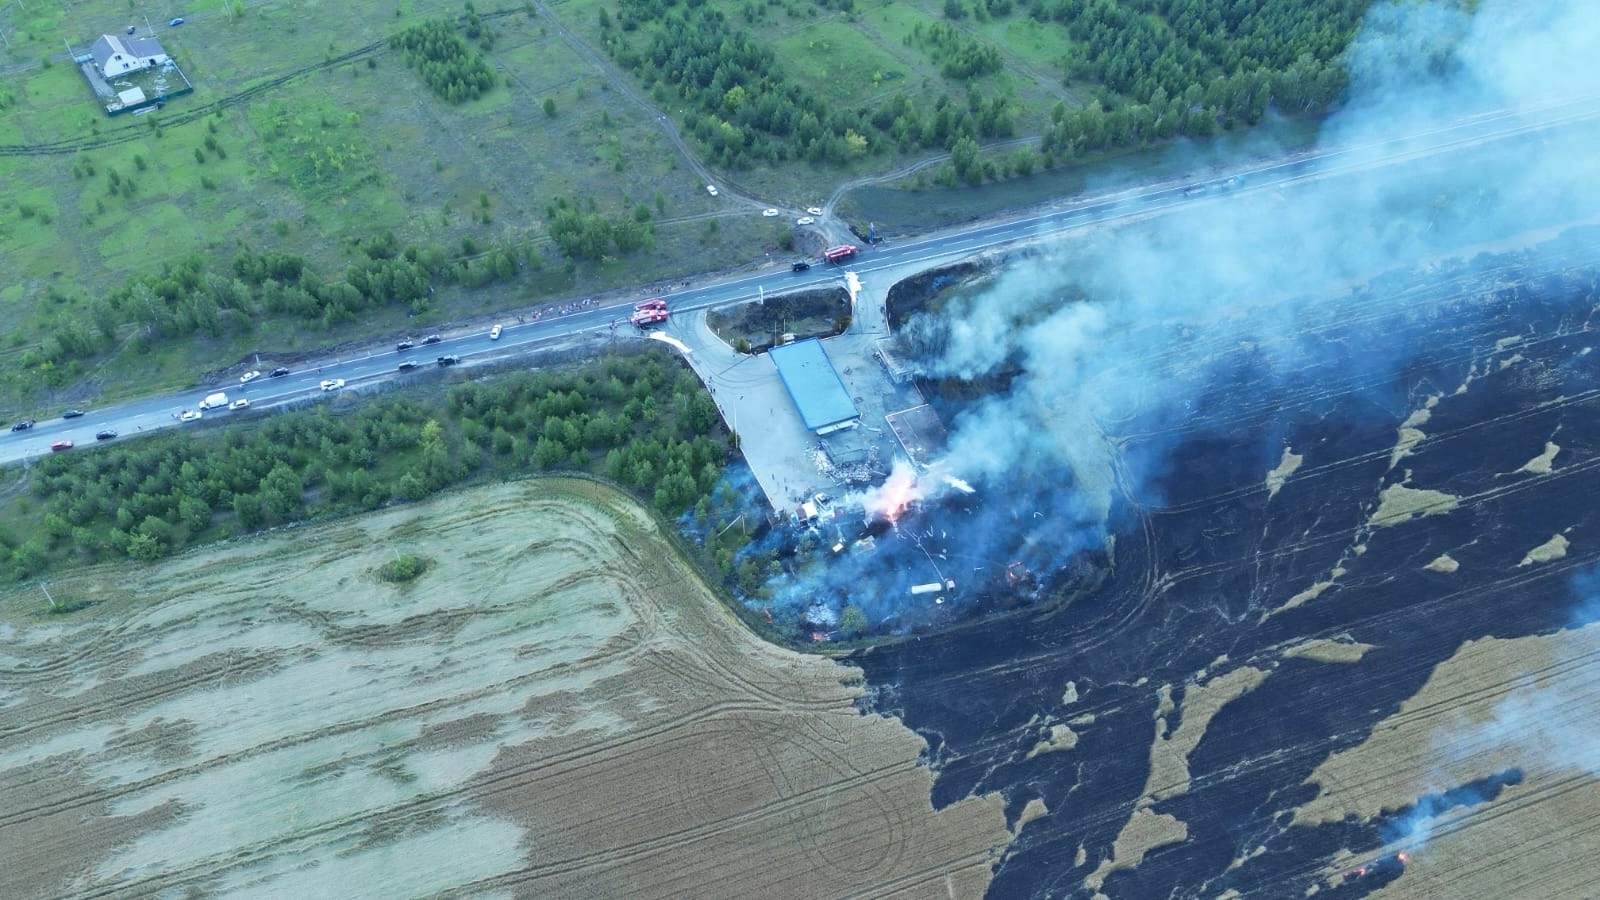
<point>47,596</point>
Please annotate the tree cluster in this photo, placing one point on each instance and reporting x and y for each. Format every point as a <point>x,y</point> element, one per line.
<point>190,297</point>
<point>743,110</point>
<point>643,419</point>
<point>592,235</point>
<point>960,58</point>
<point>1158,68</point>
<point>447,65</point>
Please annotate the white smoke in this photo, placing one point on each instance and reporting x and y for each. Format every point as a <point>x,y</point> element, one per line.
<point>1165,296</point>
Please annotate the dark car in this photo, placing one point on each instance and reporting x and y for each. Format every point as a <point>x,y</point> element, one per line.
<point>105,434</point>
<point>407,366</point>
<point>24,425</point>
<point>72,414</point>
<point>432,339</point>
<point>175,22</point>
<point>404,345</point>
<point>800,266</point>
<point>279,372</point>
<point>449,360</point>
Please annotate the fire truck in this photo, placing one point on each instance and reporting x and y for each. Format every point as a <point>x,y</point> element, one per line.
<point>645,316</point>
<point>840,253</point>
<point>653,303</point>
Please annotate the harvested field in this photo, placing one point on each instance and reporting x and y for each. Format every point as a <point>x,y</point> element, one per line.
<point>557,707</point>
<point>1512,717</point>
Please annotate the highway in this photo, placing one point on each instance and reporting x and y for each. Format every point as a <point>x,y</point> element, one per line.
<point>942,247</point>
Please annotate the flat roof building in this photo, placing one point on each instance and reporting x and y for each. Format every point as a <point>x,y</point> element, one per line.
<point>920,433</point>
<point>814,386</point>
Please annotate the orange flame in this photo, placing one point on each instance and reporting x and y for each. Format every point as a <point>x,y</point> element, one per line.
<point>889,500</point>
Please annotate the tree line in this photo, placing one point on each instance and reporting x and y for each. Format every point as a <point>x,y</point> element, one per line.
<point>194,296</point>
<point>744,110</point>
<point>1157,69</point>
<point>641,418</point>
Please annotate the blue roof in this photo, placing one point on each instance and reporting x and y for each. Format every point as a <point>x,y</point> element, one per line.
<point>814,384</point>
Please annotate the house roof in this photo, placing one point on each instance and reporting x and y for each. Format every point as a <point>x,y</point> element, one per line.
<point>814,384</point>
<point>110,45</point>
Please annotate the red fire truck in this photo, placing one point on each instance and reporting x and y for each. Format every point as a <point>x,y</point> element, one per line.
<point>840,253</point>
<point>652,315</point>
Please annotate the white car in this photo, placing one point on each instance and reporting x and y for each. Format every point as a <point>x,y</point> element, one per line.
<point>494,333</point>
<point>332,384</point>
<point>189,415</point>
<point>814,210</point>
<point>769,212</point>
<point>711,189</point>
<point>805,220</point>
<point>240,403</point>
<point>248,377</point>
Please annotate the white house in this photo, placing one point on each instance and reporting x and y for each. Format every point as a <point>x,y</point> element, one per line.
<point>115,55</point>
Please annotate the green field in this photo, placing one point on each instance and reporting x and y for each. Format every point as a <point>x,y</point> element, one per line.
<point>306,157</point>
<point>307,133</point>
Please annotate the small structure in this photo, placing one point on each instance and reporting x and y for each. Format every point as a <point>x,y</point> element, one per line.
<point>131,75</point>
<point>920,433</point>
<point>900,370</point>
<point>115,55</point>
<point>814,386</point>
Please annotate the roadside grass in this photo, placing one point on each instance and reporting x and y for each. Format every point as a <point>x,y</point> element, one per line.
<point>911,204</point>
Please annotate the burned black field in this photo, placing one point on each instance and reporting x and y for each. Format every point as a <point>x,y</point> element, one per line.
<point>1434,455</point>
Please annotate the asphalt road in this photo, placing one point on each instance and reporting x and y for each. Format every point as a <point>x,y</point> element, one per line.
<point>949,245</point>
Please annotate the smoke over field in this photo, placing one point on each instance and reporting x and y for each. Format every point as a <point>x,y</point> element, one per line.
<point>1340,422</point>
<point>1132,331</point>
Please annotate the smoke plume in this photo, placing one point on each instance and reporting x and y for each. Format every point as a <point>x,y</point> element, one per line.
<point>1101,347</point>
<point>1115,333</point>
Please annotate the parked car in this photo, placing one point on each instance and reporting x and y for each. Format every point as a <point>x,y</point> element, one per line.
<point>800,266</point>
<point>432,339</point>
<point>24,425</point>
<point>449,360</point>
<point>814,210</point>
<point>404,345</point>
<point>63,444</point>
<point>407,366</point>
<point>770,212</point>
<point>240,403</point>
<point>72,414</point>
<point>189,415</point>
<point>494,333</point>
<point>175,22</point>
<point>279,372</point>
<point>711,189</point>
<point>332,384</point>
<point>805,220</point>
<point>104,434</point>
<point>249,376</point>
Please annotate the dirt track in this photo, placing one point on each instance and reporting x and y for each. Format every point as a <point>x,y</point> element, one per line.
<point>558,708</point>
